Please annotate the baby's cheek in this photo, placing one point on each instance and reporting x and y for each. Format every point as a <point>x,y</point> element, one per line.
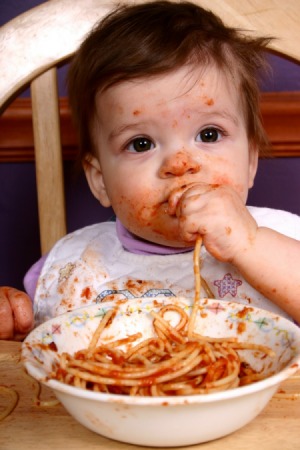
<point>221,179</point>
<point>133,210</point>
<point>225,180</point>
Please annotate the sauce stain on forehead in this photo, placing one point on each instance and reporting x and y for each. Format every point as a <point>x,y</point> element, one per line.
<point>208,101</point>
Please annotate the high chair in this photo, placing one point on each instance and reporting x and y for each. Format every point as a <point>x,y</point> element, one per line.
<point>36,42</point>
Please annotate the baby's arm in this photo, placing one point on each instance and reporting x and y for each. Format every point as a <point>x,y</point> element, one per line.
<point>268,260</point>
<point>271,264</point>
<point>16,314</point>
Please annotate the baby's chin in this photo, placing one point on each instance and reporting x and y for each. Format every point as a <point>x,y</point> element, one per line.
<point>165,241</point>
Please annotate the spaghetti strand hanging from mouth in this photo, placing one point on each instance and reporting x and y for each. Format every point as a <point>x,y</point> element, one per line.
<point>197,277</point>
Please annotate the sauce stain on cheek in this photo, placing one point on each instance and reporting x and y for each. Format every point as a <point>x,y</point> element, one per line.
<point>228,231</point>
<point>221,180</point>
<point>137,214</point>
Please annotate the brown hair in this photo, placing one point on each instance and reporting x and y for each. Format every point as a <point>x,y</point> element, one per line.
<point>142,40</point>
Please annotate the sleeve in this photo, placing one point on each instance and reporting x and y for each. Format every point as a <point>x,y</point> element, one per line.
<point>32,276</point>
<point>281,221</point>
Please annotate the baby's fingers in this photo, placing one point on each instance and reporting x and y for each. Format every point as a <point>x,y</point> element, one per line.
<point>21,306</point>
<point>17,317</point>
<point>6,316</point>
<point>178,195</point>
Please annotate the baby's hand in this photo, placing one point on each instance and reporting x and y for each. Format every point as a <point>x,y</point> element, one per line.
<point>16,314</point>
<point>218,214</point>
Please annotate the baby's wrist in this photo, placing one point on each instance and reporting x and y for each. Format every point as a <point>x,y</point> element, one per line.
<point>246,251</point>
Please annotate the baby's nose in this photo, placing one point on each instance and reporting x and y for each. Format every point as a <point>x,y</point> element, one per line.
<point>179,164</point>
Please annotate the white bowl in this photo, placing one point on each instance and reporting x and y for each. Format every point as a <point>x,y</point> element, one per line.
<point>173,420</point>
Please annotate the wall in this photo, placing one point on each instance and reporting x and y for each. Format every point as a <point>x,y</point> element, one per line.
<point>19,240</point>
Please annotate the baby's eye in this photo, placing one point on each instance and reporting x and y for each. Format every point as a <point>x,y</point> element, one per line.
<point>140,144</point>
<point>209,135</point>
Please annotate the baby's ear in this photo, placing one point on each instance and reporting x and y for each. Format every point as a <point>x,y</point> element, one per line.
<point>93,173</point>
<point>253,162</point>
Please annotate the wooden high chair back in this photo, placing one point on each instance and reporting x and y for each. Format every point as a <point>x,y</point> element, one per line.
<point>33,44</point>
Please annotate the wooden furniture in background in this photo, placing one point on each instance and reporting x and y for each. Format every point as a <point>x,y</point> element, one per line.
<point>34,43</point>
<point>32,46</point>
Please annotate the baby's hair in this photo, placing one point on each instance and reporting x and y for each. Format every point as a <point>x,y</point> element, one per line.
<point>148,39</point>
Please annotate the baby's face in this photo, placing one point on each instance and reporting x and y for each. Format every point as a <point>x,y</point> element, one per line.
<point>157,135</point>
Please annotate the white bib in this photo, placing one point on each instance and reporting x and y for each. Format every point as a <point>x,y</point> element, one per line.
<point>90,265</point>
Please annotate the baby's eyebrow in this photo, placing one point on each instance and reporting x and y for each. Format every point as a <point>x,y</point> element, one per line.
<point>223,115</point>
<point>138,127</point>
<point>134,127</point>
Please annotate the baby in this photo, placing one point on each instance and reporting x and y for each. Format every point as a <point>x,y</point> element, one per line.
<point>166,102</point>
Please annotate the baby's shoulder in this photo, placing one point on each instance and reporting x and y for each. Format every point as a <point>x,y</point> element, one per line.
<point>97,236</point>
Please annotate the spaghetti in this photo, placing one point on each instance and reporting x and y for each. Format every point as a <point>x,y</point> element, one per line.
<point>176,361</point>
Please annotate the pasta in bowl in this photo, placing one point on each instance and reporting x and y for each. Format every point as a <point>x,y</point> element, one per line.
<point>161,372</point>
